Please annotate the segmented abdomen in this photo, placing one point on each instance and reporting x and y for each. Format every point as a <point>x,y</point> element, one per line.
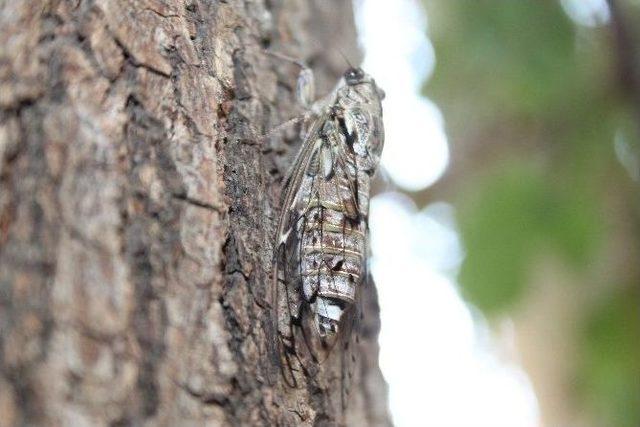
<point>331,254</point>
<point>331,238</point>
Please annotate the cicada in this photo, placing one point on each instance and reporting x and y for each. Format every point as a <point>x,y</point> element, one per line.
<point>321,250</point>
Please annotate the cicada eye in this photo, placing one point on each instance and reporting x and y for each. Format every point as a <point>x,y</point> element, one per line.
<point>354,75</point>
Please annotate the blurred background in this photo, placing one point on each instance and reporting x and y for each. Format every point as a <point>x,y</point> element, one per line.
<point>505,229</point>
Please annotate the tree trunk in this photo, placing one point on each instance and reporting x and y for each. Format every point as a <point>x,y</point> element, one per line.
<point>138,207</point>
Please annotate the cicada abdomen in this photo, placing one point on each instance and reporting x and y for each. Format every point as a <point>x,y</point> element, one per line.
<point>321,249</point>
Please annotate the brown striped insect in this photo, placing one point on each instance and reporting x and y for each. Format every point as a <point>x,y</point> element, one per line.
<point>320,262</point>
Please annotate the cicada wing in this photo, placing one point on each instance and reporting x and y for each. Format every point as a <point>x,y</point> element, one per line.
<point>278,348</point>
<point>321,173</point>
<point>338,183</point>
<point>332,368</point>
<point>285,298</point>
<point>344,174</point>
<point>351,346</point>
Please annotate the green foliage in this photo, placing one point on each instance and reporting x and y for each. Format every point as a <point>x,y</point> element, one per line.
<point>514,215</point>
<point>500,227</point>
<point>515,70</point>
<point>534,96</point>
<point>610,369</point>
<point>515,54</point>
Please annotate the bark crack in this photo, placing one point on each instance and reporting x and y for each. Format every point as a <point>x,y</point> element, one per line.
<point>131,59</point>
<point>199,203</point>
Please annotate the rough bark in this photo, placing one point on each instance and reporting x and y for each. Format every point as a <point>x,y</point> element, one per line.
<point>137,210</point>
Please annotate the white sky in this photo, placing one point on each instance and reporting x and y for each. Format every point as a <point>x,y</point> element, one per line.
<point>399,56</point>
<point>440,362</point>
<point>590,13</point>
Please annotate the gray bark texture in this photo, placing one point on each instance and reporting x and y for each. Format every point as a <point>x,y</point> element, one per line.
<point>138,211</point>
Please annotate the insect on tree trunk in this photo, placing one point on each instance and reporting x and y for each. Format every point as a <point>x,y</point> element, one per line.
<point>138,209</point>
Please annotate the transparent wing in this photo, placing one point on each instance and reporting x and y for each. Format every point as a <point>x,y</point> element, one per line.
<point>320,173</point>
<point>285,302</point>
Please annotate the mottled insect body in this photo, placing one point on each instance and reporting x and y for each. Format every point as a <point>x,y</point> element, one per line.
<point>321,251</point>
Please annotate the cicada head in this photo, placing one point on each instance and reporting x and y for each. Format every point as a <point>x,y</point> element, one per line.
<point>361,102</point>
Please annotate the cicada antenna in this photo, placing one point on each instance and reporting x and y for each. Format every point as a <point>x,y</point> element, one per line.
<point>341,52</point>
<point>284,57</point>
